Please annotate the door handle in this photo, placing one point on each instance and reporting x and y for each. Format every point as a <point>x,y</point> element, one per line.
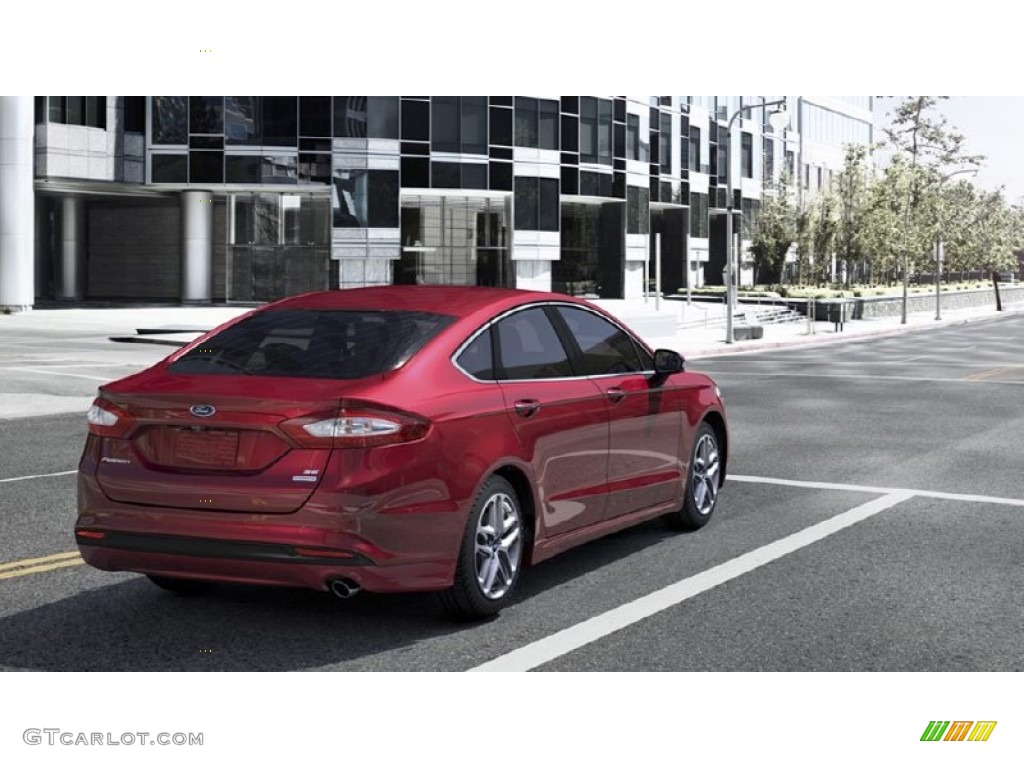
<point>527,408</point>
<point>615,394</point>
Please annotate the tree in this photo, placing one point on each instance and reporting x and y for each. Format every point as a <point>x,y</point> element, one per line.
<point>804,245</point>
<point>928,145</point>
<point>823,229</point>
<point>885,220</point>
<point>851,197</point>
<point>995,234</point>
<point>773,233</point>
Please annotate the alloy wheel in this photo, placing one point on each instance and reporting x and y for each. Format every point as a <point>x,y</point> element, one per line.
<point>499,545</point>
<point>704,479</point>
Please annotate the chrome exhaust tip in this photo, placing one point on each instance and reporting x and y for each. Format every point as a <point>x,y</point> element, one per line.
<point>344,588</point>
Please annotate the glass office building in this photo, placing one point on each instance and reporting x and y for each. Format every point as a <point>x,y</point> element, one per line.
<point>250,198</point>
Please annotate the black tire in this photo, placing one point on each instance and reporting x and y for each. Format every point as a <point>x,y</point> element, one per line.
<point>484,583</point>
<point>184,587</point>
<point>703,476</point>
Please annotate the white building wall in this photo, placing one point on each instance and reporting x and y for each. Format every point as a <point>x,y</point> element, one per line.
<point>17,204</point>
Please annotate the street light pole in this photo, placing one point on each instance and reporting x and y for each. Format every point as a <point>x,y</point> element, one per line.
<point>731,270</point>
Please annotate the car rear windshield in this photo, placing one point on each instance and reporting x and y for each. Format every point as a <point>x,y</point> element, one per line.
<point>314,344</point>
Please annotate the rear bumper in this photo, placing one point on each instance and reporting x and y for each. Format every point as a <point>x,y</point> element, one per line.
<point>403,549</point>
<point>309,573</point>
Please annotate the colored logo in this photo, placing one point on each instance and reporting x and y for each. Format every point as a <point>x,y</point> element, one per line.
<point>202,410</point>
<point>958,730</point>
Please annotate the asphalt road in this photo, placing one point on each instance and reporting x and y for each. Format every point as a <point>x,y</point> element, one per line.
<point>873,521</point>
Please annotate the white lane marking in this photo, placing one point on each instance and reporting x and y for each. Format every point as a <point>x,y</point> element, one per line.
<point>968,497</point>
<point>863,376</point>
<point>575,637</point>
<point>34,477</point>
<point>62,364</point>
<point>55,373</point>
<point>832,362</point>
<point>809,484</point>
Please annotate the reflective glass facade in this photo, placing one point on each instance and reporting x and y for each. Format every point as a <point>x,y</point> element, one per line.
<point>570,192</point>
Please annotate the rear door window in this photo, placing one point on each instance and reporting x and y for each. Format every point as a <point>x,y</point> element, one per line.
<point>529,347</point>
<point>315,344</point>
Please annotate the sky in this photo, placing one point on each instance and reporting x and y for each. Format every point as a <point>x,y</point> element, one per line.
<point>992,126</point>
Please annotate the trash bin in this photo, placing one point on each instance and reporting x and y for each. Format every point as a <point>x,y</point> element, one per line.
<point>837,314</point>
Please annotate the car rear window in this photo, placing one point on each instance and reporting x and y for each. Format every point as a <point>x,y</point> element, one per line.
<point>314,344</point>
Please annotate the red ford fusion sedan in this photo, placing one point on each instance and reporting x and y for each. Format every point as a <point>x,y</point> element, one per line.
<point>394,439</point>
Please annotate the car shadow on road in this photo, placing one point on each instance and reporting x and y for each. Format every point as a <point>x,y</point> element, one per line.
<point>131,625</point>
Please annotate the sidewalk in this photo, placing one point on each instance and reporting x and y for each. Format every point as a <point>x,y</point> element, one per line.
<point>690,339</point>
<point>695,342</point>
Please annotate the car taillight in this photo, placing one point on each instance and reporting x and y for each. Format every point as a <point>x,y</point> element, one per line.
<point>107,420</point>
<point>355,428</point>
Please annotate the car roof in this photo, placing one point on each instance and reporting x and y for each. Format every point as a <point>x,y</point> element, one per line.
<point>455,301</point>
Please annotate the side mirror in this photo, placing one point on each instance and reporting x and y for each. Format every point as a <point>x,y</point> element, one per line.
<point>667,362</point>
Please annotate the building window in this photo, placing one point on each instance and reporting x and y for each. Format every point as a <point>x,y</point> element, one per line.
<point>747,155</point>
<point>169,119</point>
<point>365,198</point>
<point>90,111</point>
<point>536,204</point>
<point>749,211</point>
<point>459,124</point>
<point>239,169</point>
<point>694,154</point>
<point>415,119</point>
<point>243,122</point>
<point>596,130</point>
<point>169,169</point>
<point>459,175</point>
<point>698,214</point>
<point>96,111</point>
<point>206,167</point>
<point>279,169</point>
<point>548,205</point>
<point>206,114</point>
<point>595,184</point>
<point>315,168</point>
<point>638,205</point>
<point>632,137</point>
<point>445,175</point>
<point>415,172</point>
<point>536,123</point>
<point>135,114</point>
<point>501,176</point>
<point>367,117</point>
<point>791,163</point>
<point>525,201</point>
<point>501,126</point>
<point>665,144</point>
<point>281,121</point>
<point>315,116</point>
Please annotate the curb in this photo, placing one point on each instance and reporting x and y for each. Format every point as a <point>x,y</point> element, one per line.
<point>816,341</point>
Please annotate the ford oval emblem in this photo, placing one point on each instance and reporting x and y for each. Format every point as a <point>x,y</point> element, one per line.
<point>202,411</point>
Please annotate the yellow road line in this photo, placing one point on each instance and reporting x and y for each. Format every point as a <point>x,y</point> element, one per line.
<point>41,568</point>
<point>990,373</point>
<point>39,564</point>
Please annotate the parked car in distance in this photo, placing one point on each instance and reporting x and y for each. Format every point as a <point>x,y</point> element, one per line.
<point>393,439</point>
